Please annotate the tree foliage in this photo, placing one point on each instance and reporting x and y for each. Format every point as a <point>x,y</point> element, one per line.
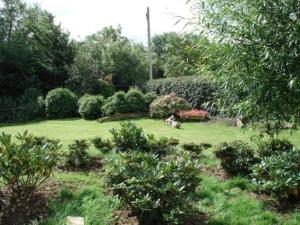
<point>261,53</point>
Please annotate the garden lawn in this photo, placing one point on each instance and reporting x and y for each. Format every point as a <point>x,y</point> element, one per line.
<point>229,202</point>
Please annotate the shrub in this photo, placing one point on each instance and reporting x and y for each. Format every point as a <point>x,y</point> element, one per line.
<point>161,146</point>
<point>107,89</point>
<point>158,191</point>
<point>192,147</point>
<point>60,103</point>
<point>168,105</point>
<point>135,100</point>
<point>274,146</point>
<point>149,98</point>
<point>198,91</point>
<point>27,163</point>
<point>115,104</point>
<point>90,107</point>
<point>129,137</point>
<point>82,99</point>
<point>78,156</point>
<point>193,115</point>
<point>236,157</point>
<point>279,174</point>
<point>102,145</point>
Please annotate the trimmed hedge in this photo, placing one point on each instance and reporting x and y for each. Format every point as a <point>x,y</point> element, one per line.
<point>61,103</point>
<point>90,107</point>
<point>199,91</point>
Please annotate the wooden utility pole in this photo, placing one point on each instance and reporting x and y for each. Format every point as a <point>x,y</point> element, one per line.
<point>149,45</point>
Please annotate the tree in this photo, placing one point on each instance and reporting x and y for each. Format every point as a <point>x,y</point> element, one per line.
<point>105,53</point>
<point>260,45</point>
<point>34,51</point>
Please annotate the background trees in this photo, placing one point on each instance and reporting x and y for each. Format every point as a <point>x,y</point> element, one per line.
<point>34,51</point>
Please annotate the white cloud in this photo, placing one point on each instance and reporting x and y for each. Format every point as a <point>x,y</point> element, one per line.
<point>84,17</point>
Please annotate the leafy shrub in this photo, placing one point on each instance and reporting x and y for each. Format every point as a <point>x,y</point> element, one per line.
<point>129,137</point>
<point>158,191</point>
<point>27,163</point>
<point>198,91</point>
<point>78,156</point>
<point>236,157</point>
<point>149,98</point>
<point>279,174</point>
<point>102,145</point>
<point>168,105</point>
<point>192,147</point>
<point>135,100</point>
<point>193,115</point>
<point>60,103</point>
<point>90,107</point>
<point>107,89</point>
<point>274,146</point>
<point>115,104</point>
<point>82,99</point>
<point>161,146</point>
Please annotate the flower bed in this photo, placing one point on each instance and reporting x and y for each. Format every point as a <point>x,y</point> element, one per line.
<point>193,115</point>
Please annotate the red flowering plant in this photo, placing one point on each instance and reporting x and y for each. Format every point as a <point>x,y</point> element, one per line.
<point>194,114</point>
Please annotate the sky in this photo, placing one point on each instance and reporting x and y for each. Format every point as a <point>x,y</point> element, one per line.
<point>84,17</point>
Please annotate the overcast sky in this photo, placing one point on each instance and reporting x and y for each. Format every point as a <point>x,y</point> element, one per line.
<point>84,17</point>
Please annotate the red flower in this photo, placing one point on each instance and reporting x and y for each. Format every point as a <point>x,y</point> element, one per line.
<point>194,114</point>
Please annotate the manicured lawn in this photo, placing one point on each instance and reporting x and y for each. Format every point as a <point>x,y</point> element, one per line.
<point>229,202</point>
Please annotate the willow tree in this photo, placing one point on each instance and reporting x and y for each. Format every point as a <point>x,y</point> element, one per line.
<point>261,56</point>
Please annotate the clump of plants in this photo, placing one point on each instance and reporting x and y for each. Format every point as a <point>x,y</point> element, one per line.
<point>115,104</point>
<point>236,157</point>
<point>168,105</point>
<point>25,164</point>
<point>192,147</point>
<point>193,115</point>
<point>136,101</point>
<point>158,191</point>
<point>61,103</point>
<point>149,98</point>
<point>273,147</point>
<point>279,174</point>
<point>78,157</point>
<point>90,107</point>
<point>102,145</point>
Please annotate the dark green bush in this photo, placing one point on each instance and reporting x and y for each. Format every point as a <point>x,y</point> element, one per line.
<point>168,105</point>
<point>27,163</point>
<point>192,147</point>
<point>129,137</point>
<point>90,107</point>
<point>61,103</point>
<point>135,100</point>
<point>158,191</point>
<point>279,175</point>
<point>198,91</point>
<point>78,157</point>
<point>274,146</point>
<point>236,157</point>
<point>82,99</point>
<point>161,146</point>
<point>149,98</point>
<point>115,104</point>
<point>24,108</point>
<point>102,145</point>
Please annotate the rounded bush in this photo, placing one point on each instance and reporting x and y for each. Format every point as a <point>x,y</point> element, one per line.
<point>115,104</point>
<point>273,147</point>
<point>149,98</point>
<point>90,107</point>
<point>60,103</point>
<point>136,101</point>
<point>168,105</point>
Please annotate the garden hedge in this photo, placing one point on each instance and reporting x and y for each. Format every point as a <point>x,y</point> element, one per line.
<point>198,91</point>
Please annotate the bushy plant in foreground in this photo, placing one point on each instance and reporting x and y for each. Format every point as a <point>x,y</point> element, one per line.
<point>90,107</point>
<point>168,105</point>
<point>102,145</point>
<point>129,137</point>
<point>158,191</point>
<point>61,103</point>
<point>78,157</point>
<point>26,163</point>
<point>236,157</point>
<point>273,147</point>
<point>279,174</point>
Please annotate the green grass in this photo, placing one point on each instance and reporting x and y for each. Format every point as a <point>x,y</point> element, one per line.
<point>227,203</point>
